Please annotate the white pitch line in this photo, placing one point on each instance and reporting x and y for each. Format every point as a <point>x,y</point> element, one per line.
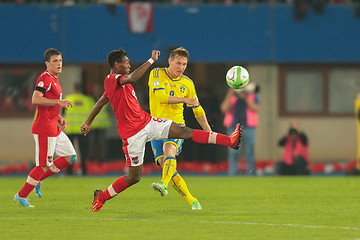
<point>203,221</point>
<point>235,223</point>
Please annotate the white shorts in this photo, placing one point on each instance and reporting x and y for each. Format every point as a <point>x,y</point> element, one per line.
<point>134,147</point>
<point>45,147</point>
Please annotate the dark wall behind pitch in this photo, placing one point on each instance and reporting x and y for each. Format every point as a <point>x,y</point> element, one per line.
<point>212,33</point>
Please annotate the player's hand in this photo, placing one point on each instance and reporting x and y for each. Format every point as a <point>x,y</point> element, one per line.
<point>85,128</point>
<point>65,103</point>
<point>62,123</point>
<point>155,55</point>
<point>193,102</point>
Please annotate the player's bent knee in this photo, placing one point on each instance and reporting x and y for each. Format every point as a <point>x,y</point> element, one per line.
<point>131,180</point>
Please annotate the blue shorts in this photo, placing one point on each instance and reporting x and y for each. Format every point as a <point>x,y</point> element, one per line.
<point>157,146</point>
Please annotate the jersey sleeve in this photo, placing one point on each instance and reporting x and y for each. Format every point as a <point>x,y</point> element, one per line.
<point>119,79</point>
<point>43,84</point>
<point>198,110</point>
<point>157,87</point>
<point>191,92</point>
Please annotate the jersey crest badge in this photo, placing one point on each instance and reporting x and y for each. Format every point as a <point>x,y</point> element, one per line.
<point>182,89</point>
<point>41,84</point>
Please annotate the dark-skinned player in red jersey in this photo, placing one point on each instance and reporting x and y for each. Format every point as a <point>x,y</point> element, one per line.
<point>136,127</point>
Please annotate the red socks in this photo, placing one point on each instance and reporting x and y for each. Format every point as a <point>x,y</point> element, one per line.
<point>31,182</point>
<point>204,137</point>
<point>114,189</point>
<point>60,163</point>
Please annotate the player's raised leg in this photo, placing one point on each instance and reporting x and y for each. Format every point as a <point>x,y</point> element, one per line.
<point>200,136</point>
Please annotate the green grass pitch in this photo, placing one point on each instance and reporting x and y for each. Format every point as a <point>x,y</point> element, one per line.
<point>233,208</point>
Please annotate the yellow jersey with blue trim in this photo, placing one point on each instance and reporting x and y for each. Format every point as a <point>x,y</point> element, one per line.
<point>161,86</point>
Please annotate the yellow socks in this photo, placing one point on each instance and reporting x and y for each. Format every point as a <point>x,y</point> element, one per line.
<point>169,173</point>
<point>180,186</point>
<point>168,170</point>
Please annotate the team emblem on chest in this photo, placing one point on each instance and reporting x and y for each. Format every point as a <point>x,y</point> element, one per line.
<point>182,89</point>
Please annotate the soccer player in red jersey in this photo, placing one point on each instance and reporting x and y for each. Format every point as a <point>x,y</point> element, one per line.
<point>136,127</point>
<point>49,138</point>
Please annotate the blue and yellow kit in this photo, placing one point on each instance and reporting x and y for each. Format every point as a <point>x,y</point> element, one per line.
<point>161,86</point>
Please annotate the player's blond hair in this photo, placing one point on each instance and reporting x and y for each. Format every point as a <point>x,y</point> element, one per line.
<point>180,51</point>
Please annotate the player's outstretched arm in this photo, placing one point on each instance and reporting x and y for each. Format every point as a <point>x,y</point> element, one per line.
<point>135,75</point>
<point>85,127</point>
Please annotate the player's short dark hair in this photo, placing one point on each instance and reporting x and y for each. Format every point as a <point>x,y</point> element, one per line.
<point>116,56</point>
<point>49,53</point>
<point>179,51</point>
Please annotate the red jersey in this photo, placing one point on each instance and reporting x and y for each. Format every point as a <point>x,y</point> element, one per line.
<point>46,121</point>
<point>131,118</point>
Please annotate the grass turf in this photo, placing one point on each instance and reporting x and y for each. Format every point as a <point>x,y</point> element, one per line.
<point>233,208</point>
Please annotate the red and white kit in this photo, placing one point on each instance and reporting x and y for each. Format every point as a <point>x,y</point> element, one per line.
<point>135,126</point>
<point>47,133</point>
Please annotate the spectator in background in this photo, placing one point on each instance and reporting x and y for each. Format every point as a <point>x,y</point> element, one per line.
<point>75,116</point>
<point>295,159</point>
<point>98,134</point>
<point>242,106</point>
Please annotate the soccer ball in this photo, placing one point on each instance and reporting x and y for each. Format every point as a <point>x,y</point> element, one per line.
<point>237,77</point>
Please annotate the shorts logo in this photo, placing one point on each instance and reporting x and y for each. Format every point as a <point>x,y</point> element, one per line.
<point>135,160</point>
<point>50,159</point>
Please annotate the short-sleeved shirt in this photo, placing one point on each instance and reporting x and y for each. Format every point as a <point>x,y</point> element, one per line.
<point>161,83</point>
<point>131,118</point>
<point>46,120</point>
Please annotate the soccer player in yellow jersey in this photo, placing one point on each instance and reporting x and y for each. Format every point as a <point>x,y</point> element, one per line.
<point>169,89</point>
